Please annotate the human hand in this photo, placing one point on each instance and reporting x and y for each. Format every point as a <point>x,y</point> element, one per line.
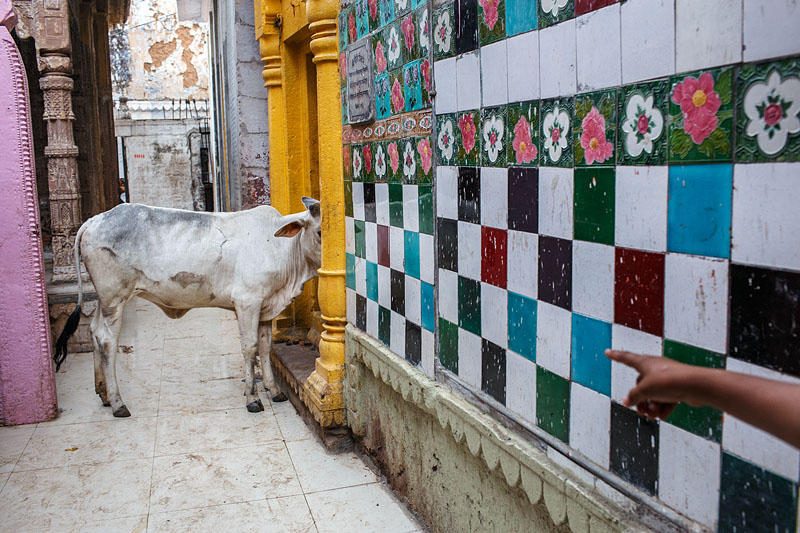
<point>661,384</point>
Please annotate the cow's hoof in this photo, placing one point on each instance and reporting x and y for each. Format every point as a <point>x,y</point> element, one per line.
<point>122,412</point>
<point>280,397</point>
<point>255,406</point>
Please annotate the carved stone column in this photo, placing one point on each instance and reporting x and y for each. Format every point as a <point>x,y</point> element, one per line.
<point>324,385</point>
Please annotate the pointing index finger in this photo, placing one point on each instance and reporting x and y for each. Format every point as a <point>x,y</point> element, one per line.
<point>626,358</point>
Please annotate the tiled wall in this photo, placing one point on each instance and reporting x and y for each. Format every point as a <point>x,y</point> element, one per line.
<point>625,175</point>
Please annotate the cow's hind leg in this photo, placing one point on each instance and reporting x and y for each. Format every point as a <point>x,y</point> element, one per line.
<point>264,350</point>
<point>248,334</point>
<point>99,376</point>
<point>105,332</point>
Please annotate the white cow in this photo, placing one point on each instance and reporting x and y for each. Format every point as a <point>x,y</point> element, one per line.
<point>253,262</point>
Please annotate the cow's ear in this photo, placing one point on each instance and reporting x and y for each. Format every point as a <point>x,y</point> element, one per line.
<point>289,230</point>
<point>312,205</point>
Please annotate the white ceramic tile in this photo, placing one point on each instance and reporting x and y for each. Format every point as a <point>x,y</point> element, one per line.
<point>411,207</point>
<point>413,304</point>
<point>444,75</point>
<point>363,508</point>
<point>469,358</point>
<point>553,338</point>
<point>696,301</point>
<point>371,241</point>
<point>769,26</point>
<point>623,377</point>
<point>358,200</point>
<point>384,286</point>
<point>448,295</point>
<point>494,314</point>
<point>350,303</point>
<point>589,420</point>
<point>523,67</point>
<point>397,248</point>
<point>428,352</point>
<point>427,258</point>
<point>494,74</point>
<point>13,440</point>
<point>361,276</point>
<point>469,250</point>
<point>688,473</point>
<point>766,221</point>
<point>372,318</point>
<point>321,470</point>
<point>640,219</point>
<point>523,261</point>
<point>648,37</point>
<point>468,81</point>
<point>598,49</point>
<point>293,426</point>
<point>753,444</point>
<point>382,203</point>
<point>447,192</point>
<point>557,59</point>
<point>349,235</point>
<point>521,386</point>
<point>397,335</point>
<point>494,197</point>
<point>593,280</point>
<point>707,33</point>
<point>555,202</point>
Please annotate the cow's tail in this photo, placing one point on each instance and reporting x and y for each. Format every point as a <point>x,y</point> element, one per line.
<point>60,353</point>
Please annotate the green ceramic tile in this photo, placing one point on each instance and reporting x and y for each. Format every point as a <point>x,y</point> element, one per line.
<point>397,91</point>
<point>380,162</point>
<point>350,271</point>
<point>348,198</point>
<point>705,422</point>
<point>380,63</point>
<point>425,153</point>
<point>448,345</point>
<point>594,204</point>
<point>357,162</point>
<point>701,116</point>
<point>367,154</point>
<point>394,170</point>
<point>384,322</point>
<point>347,162</point>
<point>469,305</point>
<point>422,18</point>
<point>425,194</point>
<point>396,205</point>
<point>595,128</point>
<point>408,37</point>
<point>643,111</point>
<point>556,141</point>
<point>342,70</point>
<point>522,134</point>
<point>348,21</point>
<point>468,138</point>
<point>555,11</point>
<point>552,403</point>
<point>345,118</point>
<point>374,15</point>
<point>426,73</point>
<point>446,145</point>
<point>401,7</point>
<point>754,499</point>
<point>443,32</point>
<point>491,21</point>
<point>493,137</point>
<point>768,102</point>
<point>361,238</point>
<point>393,41</point>
<point>410,163</point>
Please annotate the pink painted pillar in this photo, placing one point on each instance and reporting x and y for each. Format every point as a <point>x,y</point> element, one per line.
<point>27,383</point>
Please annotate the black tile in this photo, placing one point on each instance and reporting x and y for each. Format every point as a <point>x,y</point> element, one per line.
<point>753,499</point>
<point>384,322</point>
<point>398,280</point>
<point>369,202</point>
<point>466,14</point>
<point>765,317</point>
<point>413,343</point>
<point>493,371</point>
<point>448,244</point>
<point>634,448</point>
<point>469,195</point>
<point>555,271</point>
<point>523,199</point>
<point>361,312</point>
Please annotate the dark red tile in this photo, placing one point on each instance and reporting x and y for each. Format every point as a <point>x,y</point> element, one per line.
<point>639,290</point>
<point>584,6</point>
<point>494,246</point>
<point>383,245</point>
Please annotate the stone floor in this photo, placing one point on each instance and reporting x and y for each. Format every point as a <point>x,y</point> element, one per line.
<point>190,458</point>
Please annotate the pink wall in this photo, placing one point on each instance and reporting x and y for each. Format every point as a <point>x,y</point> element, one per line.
<point>27,386</point>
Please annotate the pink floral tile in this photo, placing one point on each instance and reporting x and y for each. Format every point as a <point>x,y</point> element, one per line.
<point>595,128</point>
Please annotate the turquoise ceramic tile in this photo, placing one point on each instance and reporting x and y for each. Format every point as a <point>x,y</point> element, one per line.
<point>383,97</point>
<point>350,270</point>
<point>428,317</point>
<point>521,16</point>
<point>412,86</point>
<point>412,254</point>
<point>372,281</point>
<point>522,325</point>
<point>590,367</point>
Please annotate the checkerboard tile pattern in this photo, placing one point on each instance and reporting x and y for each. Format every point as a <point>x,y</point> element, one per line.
<point>615,188</point>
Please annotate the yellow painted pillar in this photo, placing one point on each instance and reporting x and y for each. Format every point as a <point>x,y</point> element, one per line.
<point>324,385</point>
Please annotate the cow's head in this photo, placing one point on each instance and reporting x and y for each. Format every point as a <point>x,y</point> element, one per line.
<point>306,227</point>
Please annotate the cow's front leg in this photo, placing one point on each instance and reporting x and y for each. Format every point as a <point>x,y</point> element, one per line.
<point>248,334</point>
<point>264,351</point>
